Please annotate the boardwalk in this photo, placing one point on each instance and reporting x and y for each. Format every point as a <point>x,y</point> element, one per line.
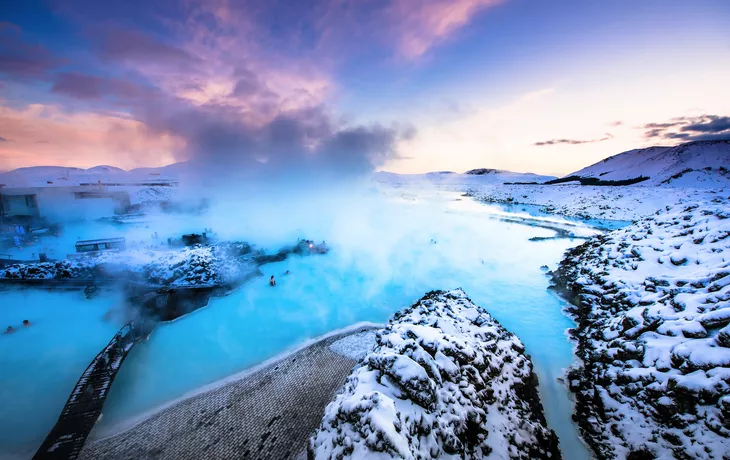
<point>84,406</point>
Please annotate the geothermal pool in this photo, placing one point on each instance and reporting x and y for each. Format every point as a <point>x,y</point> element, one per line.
<point>383,258</point>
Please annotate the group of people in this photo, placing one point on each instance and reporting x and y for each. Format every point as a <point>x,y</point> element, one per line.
<point>11,329</point>
<point>272,281</point>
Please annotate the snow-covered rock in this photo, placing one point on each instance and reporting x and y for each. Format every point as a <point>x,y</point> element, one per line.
<point>652,303</point>
<point>695,164</point>
<point>445,380</point>
<point>217,264</point>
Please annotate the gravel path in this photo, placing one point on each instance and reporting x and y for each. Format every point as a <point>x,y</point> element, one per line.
<point>267,414</point>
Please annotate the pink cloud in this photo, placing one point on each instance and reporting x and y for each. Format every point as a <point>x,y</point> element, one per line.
<point>48,135</point>
<point>422,24</point>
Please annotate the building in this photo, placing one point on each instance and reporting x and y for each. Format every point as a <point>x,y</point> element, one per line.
<point>56,204</point>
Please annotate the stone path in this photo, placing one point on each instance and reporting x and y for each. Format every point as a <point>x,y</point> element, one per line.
<point>269,414</point>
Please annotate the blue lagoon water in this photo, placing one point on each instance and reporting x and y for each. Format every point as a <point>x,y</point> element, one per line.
<point>40,364</point>
<point>382,259</point>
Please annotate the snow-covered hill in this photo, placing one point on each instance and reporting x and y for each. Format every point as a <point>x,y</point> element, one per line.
<point>472,177</point>
<point>59,176</point>
<point>696,164</point>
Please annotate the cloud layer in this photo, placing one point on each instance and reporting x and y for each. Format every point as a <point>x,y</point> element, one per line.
<point>572,141</point>
<point>699,128</point>
<point>204,81</point>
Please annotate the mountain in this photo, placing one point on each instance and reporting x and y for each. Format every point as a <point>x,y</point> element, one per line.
<point>474,176</point>
<point>698,164</point>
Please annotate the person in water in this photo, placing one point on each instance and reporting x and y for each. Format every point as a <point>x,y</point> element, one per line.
<point>272,281</point>
<point>26,323</point>
<point>287,272</point>
<point>9,330</point>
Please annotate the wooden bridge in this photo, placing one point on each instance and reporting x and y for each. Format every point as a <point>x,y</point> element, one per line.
<point>84,406</point>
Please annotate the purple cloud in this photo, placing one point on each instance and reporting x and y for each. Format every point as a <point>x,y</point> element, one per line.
<point>572,141</point>
<point>699,128</point>
<point>20,59</point>
<point>132,45</point>
<point>78,86</point>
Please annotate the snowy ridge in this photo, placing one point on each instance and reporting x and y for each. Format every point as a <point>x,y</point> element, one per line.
<point>445,380</point>
<point>698,164</point>
<point>472,177</point>
<point>652,302</point>
<point>55,176</point>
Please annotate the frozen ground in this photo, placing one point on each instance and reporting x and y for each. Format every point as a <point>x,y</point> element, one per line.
<point>592,202</point>
<point>653,306</point>
<point>445,380</point>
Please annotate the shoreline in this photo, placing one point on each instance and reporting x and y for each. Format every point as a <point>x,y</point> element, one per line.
<point>126,425</point>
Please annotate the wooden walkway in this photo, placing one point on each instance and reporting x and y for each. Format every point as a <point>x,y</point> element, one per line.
<point>84,406</point>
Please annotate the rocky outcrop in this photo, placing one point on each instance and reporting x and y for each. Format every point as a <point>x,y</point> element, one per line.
<point>445,380</point>
<point>217,264</point>
<point>652,306</point>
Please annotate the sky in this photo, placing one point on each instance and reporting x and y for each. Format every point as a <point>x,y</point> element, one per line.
<point>408,86</point>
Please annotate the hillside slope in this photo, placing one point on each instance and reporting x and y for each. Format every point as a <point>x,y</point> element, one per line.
<point>698,164</point>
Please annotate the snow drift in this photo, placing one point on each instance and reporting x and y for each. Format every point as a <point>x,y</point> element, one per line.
<point>445,380</point>
<point>652,303</point>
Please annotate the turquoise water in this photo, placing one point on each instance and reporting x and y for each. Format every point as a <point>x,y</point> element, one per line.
<point>382,260</point>
<point>539,211</point>
<point>40,364</point>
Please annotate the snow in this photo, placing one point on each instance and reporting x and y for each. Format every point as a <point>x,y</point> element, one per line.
<point>469,178</point>
<point>445,380</point>
<point>59,176</point>
<point>355,346</point>
<point>653,305</point>
<point>694,164</point>
<point>626,203</point>
<point>188,266</point>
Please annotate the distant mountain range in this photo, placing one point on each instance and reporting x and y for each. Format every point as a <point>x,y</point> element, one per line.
<point>47,176</point>
<point>698,164</point>
<point>474,176</point>
<point>693,164</point>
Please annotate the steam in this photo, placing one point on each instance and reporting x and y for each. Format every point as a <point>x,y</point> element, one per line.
<point>296,148</point>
